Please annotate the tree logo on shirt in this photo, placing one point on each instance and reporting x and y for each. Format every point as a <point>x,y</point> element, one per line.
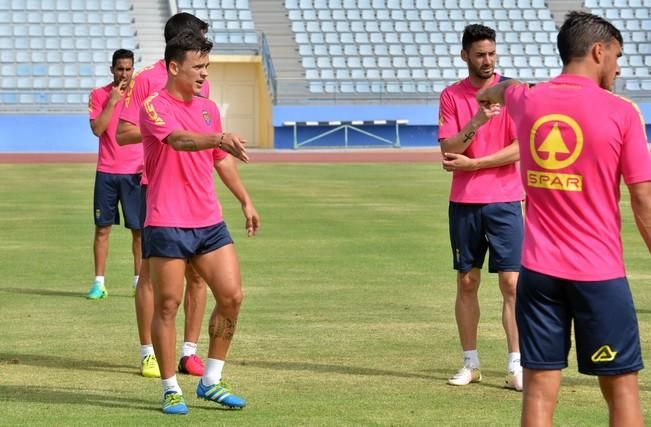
<point>553,153</point>
<point>206,117</point>
<point>151,111</point>
<point>603,354</point>
<point>555,141</point>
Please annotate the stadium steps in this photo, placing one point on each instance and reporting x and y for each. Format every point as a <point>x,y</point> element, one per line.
<point>559,9</point>
<point>149,20</point>
<point>273,21</point>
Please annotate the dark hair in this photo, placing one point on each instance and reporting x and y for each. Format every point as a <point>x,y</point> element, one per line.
<point>121,54</point>
<point>186,41</point>
<point>183,21</point>
<point>475,33</point>
<point>580,31</point>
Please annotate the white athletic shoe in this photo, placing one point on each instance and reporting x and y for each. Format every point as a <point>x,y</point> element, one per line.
<point>514,380</point>
<point>465,376</point>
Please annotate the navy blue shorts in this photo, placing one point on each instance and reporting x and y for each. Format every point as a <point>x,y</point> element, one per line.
<point>111,189</point>
<point>605,324</point>
<point>143,214</point>
<point>172,242</point>
<point>475,228</point>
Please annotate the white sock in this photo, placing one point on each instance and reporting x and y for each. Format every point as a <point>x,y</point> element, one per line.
<point>189,348</point>
<point>146,350</point>
<point>135,281</point>
<point>100,279</point>
<point>213,371</point>
<point>471,359</point>
<point>171,384</point>
<point>514,362</point>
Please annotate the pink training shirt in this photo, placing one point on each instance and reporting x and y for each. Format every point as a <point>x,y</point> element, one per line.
<point>111,157</point>
<point>502,184</point>
<point>576,142</point>
<point>148,80</point>
<point>181,191</point>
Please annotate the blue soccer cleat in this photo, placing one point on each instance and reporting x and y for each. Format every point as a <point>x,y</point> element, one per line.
<point>220,393</point>
<point>97,291</point>
<point>174,404</point>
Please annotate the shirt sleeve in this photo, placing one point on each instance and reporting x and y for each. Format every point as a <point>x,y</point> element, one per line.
<point>157,118</point>
<point>448,123</point>
<point>136,95</point>
<point>635,160</point>
<point>513,96</point>
<point>94,105</point>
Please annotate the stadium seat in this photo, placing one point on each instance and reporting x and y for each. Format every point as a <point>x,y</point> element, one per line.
<point>400,37</point>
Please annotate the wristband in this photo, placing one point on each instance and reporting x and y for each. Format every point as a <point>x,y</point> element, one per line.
<point>221,142</point>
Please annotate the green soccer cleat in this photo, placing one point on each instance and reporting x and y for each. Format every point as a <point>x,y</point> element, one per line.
<point>149,367</point>
<point>97,291</point>
<point>174,404</point>
<point>220,393</point>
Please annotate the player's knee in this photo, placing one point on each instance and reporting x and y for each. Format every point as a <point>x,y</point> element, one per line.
<point>231,301</point>
<point>102,233</point>
<point>508,288</point>
<point>195,283</point>
<point>167,308</point>
<point>468,284</point>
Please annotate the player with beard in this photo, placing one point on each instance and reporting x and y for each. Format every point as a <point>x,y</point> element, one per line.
<point>480,148</point>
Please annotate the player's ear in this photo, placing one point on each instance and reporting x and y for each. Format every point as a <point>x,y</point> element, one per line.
<point>464,55</point>
<point>597,52</point>
<point>174,68</point>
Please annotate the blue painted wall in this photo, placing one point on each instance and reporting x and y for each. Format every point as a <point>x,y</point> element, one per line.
<point>70,133</point>
<point>422,130</point>
<point>48,133</point>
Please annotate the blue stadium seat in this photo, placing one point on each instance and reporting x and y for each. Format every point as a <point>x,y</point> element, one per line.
<point>9,98</point>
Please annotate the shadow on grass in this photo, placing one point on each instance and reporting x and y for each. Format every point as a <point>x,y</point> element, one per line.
<point>52,395</point>
<point>42,292</point>
<point>325,368</point>
<point>643,311</point>
<point>50,361</point>
<point>53,293</point>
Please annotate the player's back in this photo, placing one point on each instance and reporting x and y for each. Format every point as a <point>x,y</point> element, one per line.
<point>576,142</point>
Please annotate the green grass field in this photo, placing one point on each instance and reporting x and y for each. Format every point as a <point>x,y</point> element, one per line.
<point>348,318</point>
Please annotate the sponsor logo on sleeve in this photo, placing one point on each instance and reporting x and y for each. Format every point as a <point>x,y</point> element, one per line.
<point>151,111</point>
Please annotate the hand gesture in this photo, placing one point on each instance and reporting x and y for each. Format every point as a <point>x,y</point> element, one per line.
<point>234,145</point>
<point>485,112</point>
<point>118,90</point>
<point>252,220</point>
<point>458,162</point>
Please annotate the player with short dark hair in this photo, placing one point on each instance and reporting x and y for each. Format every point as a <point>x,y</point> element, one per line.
<point>183,21</point>
<point>117,180</point>
<point>182,138</point>
<point>479,146</point>
<point>577,141</point>
<point>149,80</point>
